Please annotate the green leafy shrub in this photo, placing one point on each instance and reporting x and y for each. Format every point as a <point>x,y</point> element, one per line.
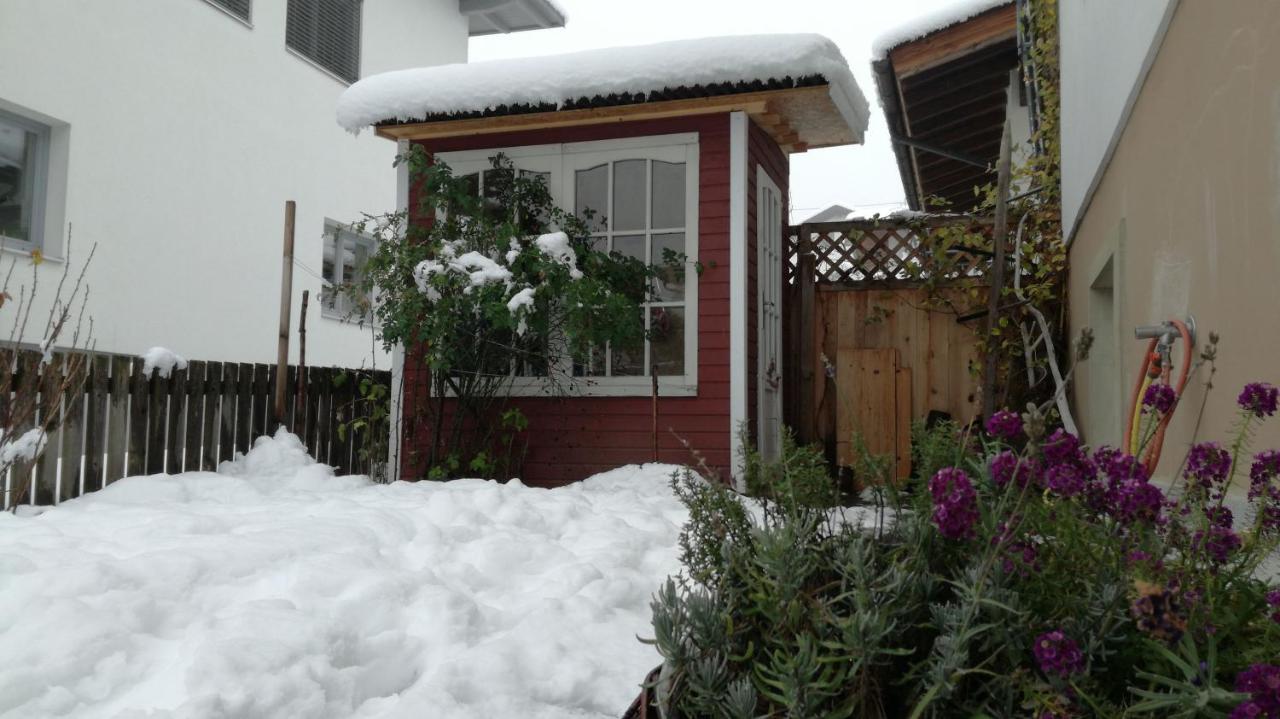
<point>484,290</point>
<point>1026,575</point>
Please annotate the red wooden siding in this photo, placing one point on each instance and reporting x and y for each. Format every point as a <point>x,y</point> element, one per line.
<point>572,438</point>
<point>762,151</point>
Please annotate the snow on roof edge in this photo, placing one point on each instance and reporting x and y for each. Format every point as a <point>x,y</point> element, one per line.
<point>929,23</point>
<point>405,95</point>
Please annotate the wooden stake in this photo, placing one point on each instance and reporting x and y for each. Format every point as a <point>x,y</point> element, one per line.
<point>998,239</point>
<point>654,375</point>
<point>286,297</point>
<point>301,405</point>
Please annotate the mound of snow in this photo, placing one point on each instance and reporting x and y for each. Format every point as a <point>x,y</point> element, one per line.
<point>275,589</point>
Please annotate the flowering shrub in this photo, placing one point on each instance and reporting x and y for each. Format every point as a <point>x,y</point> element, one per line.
<point>1028,576</point>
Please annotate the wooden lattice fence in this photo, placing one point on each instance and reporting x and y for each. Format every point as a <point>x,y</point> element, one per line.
<point>870,254</point>
<point>122,423</point>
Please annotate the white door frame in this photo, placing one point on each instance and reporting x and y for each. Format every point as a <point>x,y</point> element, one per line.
<point>769,358</point>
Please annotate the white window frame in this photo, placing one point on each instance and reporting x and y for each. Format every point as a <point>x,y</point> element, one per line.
<point>39,199</point>
<point>561,161</point>
<point>334,230</point>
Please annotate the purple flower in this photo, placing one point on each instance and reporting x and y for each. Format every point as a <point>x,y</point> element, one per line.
<point>1160,397</point>
<point>1266,466</point>
<point>1004,424</point>
<point>1058,655</point>
<point>1135,501</point>
<point>1065,479</point>
<point>1119,466</point>
<point>1006,467</point>
<point>1220,517</point>
<point>1273,601</point>
<point>1208,464</point>
<point>1217,542</point>
<point>1259,399</point>
<point>1262,683</point>
<point>955,503</point>
<point>1062,446</point>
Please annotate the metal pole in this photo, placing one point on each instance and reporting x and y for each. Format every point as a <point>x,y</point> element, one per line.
<point>998,239</point>
<point>286,295</point>
<point>300,407</point>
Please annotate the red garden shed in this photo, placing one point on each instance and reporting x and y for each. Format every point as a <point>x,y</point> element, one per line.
<point>686,144</point>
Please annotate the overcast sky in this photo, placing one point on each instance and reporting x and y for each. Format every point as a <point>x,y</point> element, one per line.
<point>863,177</point>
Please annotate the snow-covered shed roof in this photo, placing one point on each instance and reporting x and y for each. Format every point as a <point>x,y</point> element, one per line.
<point>833,112</point>
<point>929,23</point>
<point>490,17</point>
<point>943,81</point>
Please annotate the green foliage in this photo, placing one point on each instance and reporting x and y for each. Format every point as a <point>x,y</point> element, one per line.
<point>481,294</point>
<point>791,605</point>
<point>365,419</point>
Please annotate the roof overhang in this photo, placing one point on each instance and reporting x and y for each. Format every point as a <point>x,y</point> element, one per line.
<point>797,118</point>
<point>945,100</point>
<point>491,17</point>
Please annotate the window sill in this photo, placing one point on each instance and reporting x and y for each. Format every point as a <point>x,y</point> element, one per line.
<point>605,387</point>
<point>24,250</point>
<point>324,70</point>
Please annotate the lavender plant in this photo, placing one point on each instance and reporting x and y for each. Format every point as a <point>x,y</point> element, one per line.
<point>1029,576</point>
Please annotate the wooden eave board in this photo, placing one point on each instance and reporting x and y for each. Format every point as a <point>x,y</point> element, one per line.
<point>996,24</point>
<point>797,118</point>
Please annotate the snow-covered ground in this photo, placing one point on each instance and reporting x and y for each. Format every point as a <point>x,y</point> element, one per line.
<point>274,589</point>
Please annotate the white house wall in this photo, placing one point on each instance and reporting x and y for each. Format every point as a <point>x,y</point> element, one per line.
<point>186,132</point>
<point>1106,48</point>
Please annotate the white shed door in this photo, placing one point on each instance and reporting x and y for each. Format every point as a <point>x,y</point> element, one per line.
<point>769,314</point>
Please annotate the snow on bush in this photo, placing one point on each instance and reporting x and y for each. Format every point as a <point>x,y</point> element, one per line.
<point>25,448</point>
<point>162,361</point>
<point>275,589</point>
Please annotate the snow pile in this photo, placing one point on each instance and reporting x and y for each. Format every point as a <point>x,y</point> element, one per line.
<point>25,448</point>
<point>274,589</point>
<point>161,360</point>
<point>922,25</point>
<point>553,80</point>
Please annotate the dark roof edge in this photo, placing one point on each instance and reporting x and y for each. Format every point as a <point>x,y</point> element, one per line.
<point>684,92</point>
<point>887,88</point>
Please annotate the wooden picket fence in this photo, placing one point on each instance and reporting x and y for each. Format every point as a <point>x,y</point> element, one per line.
<point>121,423</point>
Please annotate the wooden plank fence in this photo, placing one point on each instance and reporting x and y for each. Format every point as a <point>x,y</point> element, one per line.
<point>119,422</point>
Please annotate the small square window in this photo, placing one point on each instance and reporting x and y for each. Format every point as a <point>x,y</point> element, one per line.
<point>236,8</point>
<point>24,169</point>
<point>326,32</point>
<point>345,254</point>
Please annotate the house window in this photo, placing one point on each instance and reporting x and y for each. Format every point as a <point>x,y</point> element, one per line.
<point>326,32</point>
<point>236,8</point>
<point>345,254</point>
<point>639,199</point>
<point>24,167</point>
<point>636,207</point>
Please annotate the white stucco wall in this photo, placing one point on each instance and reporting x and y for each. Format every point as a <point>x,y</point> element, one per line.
<point>185,132</point>
<point>1106,49</point>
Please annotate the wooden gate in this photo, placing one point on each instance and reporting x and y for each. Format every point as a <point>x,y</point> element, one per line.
<point>874,352</point>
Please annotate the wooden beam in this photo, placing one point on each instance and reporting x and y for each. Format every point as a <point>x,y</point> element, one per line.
<point>990,27</point>
<point>753,103</point>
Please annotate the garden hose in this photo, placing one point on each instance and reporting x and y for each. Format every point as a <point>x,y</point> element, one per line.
<point>1156,368</point>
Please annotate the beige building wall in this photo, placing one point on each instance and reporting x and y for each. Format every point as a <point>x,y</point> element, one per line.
<point>1186,219</point>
